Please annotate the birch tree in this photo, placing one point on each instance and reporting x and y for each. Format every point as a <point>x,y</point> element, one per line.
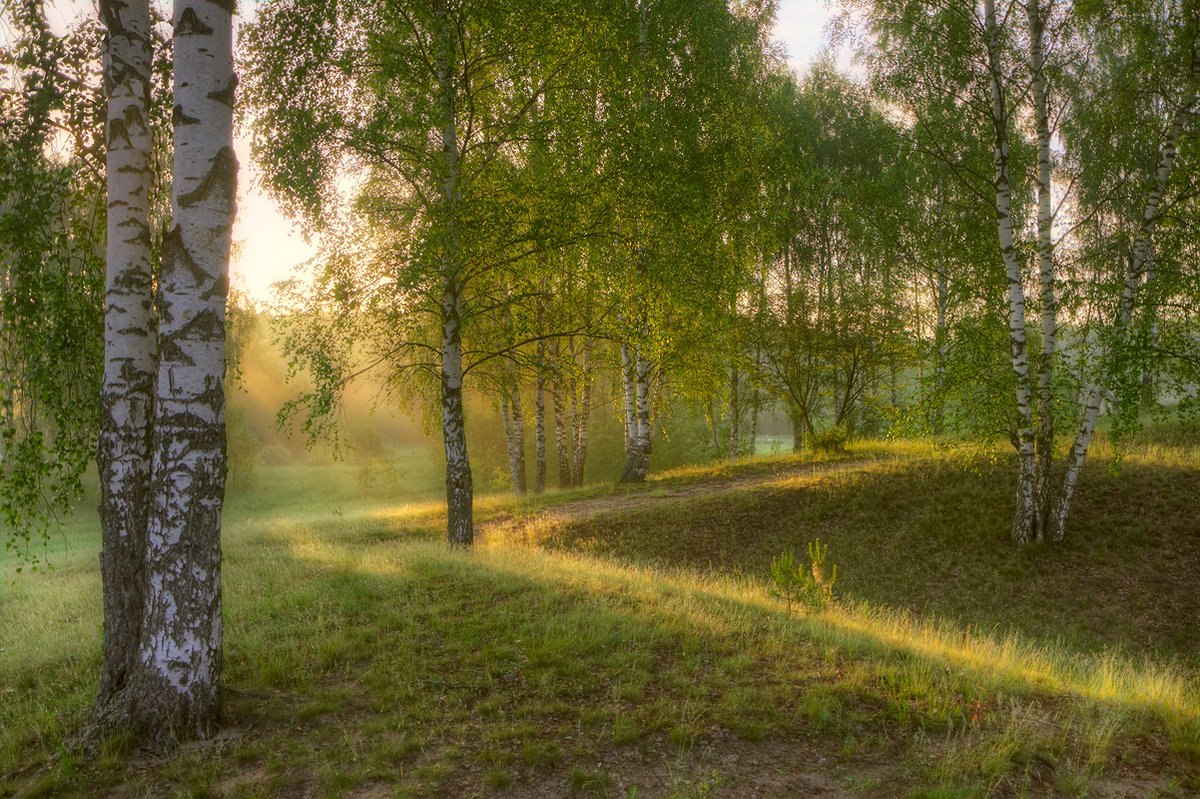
<point>428,104</point>
<point>130,352</point>
<point>1041,67</point>
<point>179,654</point>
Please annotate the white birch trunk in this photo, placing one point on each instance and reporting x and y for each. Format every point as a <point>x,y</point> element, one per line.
<point>628,380</point>
<point>735,413</point>
<point>1044,443</point>
<point>562,448</point>
<point>1075,459</point>
<point>1024,528</point>
<point>582,416</point>
<point>539,423</point>
<point>176,695</point>
<point>460,529</point>
<point>509,437</point>
<point>1138,262</point>
<point>518,443</point>
<point>127,399</point>
<point>637,459</point>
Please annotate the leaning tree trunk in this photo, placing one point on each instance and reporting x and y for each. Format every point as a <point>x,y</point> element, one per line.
<point>460,529</point>
<point>1024,527</point>
<point>1044,440</point>
<point>127,399</point>
<point>1138,262</point>
<point>176,691</point>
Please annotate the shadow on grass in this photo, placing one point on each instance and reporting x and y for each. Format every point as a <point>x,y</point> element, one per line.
<point>360,659</point>
<point>931,536</point>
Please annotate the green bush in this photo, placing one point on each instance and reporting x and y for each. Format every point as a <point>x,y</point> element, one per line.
<point>832,440</point>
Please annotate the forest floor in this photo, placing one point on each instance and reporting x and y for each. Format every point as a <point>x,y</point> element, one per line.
<point>617,642</point>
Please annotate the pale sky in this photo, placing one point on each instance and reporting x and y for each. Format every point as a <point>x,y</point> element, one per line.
<point>270,249</point>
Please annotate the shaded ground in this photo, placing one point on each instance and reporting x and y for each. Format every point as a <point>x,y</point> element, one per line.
<point>930,534</point>
<point>362,663</point>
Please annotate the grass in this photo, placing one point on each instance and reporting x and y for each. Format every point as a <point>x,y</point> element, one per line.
<point>639,651</point>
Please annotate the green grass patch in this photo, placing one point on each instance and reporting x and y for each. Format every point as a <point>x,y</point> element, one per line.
<point>638,650</point>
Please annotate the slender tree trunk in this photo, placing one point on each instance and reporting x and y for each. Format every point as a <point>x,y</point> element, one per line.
<point>518,420</point>
<point>638,461</point>
<point>560,424</point>
<point>735,413</point>
<point>1024,519</point>
<point>584,409</point>
<point>1044,443</point>
<point>628,386</point>
<point>127,400</point>
<point>1139,259</point>
<point>755,401</point>
<point>942,339</point>
<point>513,439</point>
<point>1091,412</point>
<point>459,489</point>
<point>1149,390</point>
<point>539,424</point>
<point>176,692</point>
<point>713,431</point>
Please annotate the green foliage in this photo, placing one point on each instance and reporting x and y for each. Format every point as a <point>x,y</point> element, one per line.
<point>807,585</point>
<point>51,273</point>
<point>832,440</point>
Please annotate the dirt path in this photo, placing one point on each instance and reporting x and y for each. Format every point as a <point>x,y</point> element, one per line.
<point>679,489</point>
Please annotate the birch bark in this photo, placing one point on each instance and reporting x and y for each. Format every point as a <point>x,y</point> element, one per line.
<point>1024,527</point>
<point>584,411</point>
<point>509,443</point>
<point>539,424</point>
<point>560,422</point>
<point>637,460</point>
<point>127,399</point>
<point>628,390</point>
<point>1139,260</point>
<point>1044,441</point>
<point>735,414</point>
<point>459,488</point>
<point>518,444</point>
<point>176,695</point>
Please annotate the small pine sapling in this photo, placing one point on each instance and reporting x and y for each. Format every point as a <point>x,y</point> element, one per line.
<point>808,586</point>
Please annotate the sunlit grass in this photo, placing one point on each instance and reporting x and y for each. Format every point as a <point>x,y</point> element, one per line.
<point>363,653</point>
